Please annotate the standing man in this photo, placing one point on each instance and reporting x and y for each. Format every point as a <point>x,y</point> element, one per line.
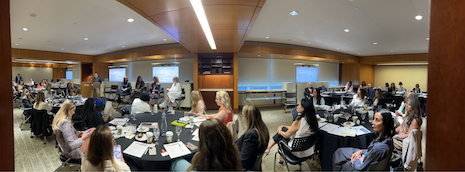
<point>18,78</point>
<point>97,79</point>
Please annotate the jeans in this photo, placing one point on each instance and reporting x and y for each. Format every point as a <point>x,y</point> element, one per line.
<point>180,165</point>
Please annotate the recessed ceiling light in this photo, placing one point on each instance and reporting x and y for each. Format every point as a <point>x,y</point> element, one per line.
<point>308,42</point>
<point>337,48</point>
<point>303,32</point>
<point>16,44</point>
<point>33,15</point>
<point>358,53</point>
<point>418,17</point>
<point>374,43</point>
<point>427,39</point>
<point>294,13</point>
<point>130,20</point>
<point>75,23</point>
<point>62,49</point>
<point>165,39</point>
<point>346,30</point>
<point>267,37</point>
<point>392,51</point>
<point>123,46</point>
<point>258,55</point>
<point>356,8</point>
<point>25,29</point>
<point>85,39</point>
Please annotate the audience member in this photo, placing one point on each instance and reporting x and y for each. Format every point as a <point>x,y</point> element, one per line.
<point>100,155</point>
<point>305,125</point>
<point>40,85</point>
<point>27,99</point>
<point>349,159</point>
<point>154,89</point>
<point>370,93</point>
<point>215,151</point>
<point>197,103</point>
<point>173,93</point>
<point>392,89</point>
<point>386,87</point>
<point>21,85</point>
<point>379,99</point>
<point>359,98</point>
<point>141,105</point>
<point>91,116</point>
<point>316,98</point>
<point>140,87</point>
<point>255,138</point>
<point>48,91</point>
<point>323,88</point>
<point>401,110</point>
<point>125,89</point>
<point>416,90</point>
<point>225,113</point>
<point>401,87</point>
<point>40,102</point>
<point>349,87</point>
<point>308,91</point>
<point>18,78</point>
<point>70,91</point>
<point>412,120</point>
<point>68,139</point>
<point>31,82</point>
<point>364,84</point>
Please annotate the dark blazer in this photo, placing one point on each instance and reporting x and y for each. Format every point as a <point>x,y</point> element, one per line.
<point>249,148</point>
<point>308,93</point>
<point>419,91</point>
<point>93,119</point>
<point>381,102</point>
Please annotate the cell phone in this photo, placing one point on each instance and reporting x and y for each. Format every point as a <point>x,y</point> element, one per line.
<point>88,131</point>
<point>117,152</point>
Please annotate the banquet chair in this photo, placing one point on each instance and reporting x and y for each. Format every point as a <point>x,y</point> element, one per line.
<point>76,163</point>
<point>233,127</point>
<point>299,144</point>
<point>291,102</point>
<point>160,96</point>
<point>112,92</point>
<point>257,166</point>
<point>27,114</point>
<point>382,165</point>
<point>40,124</point>
<point>179,100</point>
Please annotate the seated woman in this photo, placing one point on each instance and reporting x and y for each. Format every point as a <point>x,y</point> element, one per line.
<point>125,88</point>
<point>317,99</point>
<point>40,104</point>
<point>401,87</point>
<point>100,155</point>
<point>141,105</point>
<point>100,103</point>
<point>68,139</point>
<point>40,85</point>
<point>254,140</point>
<point>305,125</point>
<point>48,91</point>
<point>225,113</point>
<point>91,116</point>
<point>416,90</point>
<point>348,159</point>
<point>26,99</point>
<point>308,92</point>
<point>379,99</point>
<point>20,86</point>
<point>386,87</point>
<point>392,89</point>
<point>349,88</point>
<point>198,105</point>
<point>154,89</point>
<point>31,82</point>
<point>215,150</point>
<point>359,98</point>
<point>70,91</point>
<point>173,93</point>
<point>140,87</point>
<point>412,120</point>
<point>401,110</point>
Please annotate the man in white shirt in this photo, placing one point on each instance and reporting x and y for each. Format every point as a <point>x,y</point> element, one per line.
<point>140,105</point>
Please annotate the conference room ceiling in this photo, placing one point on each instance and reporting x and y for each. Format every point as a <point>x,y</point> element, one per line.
<point>61,26</point>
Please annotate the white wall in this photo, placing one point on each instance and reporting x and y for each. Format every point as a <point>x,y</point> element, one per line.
<point>263,72</point>
<point>36,73</point>
<point>76,73</point>
<point>144,69</point>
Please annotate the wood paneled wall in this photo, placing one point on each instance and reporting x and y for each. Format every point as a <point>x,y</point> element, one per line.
<point>446,73</point>
<point>49,55</point>
<point>235,103</point>
<point>86,72</point>
<point>6,105</point>
<point>216,81</point>
<point>396,58</point>
<point>349,72</point>
<point>101,69</point>
<point>142,52</point>
<point>367,73</point>
<point>59,73</point>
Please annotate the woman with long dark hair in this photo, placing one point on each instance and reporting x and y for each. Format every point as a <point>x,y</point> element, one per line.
<point>348,159</point>
<point>125,88</point>
<point>140,87</point>
<point>359,98</point>
<point>90,115</point>
<point>215,150</point>
<point>255,138</point>
<point>305,125</point>
<point>100,155</point>
<point>317,99</point>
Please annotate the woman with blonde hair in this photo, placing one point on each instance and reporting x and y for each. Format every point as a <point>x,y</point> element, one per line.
<point>100,155</point>
<point>198,105</point>
<point>154,89</point>
<point>173,93</point>
<point>215,151</point>
<point>69,140</point>
<point>48,91</point>
<point>255,139</point>
<point>225,113</point>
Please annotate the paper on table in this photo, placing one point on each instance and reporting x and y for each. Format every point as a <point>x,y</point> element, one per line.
<point>108,105</point>
<point>196,138</point>
<point>199,119</point>
<point>118,121</point>
<point>321,124</point>
<point>361,130</point>
<point>198,124</point>
<point>176,149</point>
<point>329,127</point>
<point>347,131</point>
<point>136,149</point>
<point>337,131</point>
<point>196,132</point>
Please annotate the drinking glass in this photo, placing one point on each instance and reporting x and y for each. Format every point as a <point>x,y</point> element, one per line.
<point>380,107</point>
<point>133,116</point>
<point>126,118</point>
<point>186,117</point>
<point>133,128</point>
<point>178,131</point>
<point>191,122</point>
<point>156,135</point>
<point>363,116</point>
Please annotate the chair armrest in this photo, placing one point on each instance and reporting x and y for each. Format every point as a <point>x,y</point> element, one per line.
<point>284,147</point>
<point>399,139</point>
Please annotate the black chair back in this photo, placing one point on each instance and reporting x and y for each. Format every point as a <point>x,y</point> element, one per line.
<point>114,87</point>
<point>41,121</point>
<point>304,143</point>
<point>290,95</point>
<point>258,163</point>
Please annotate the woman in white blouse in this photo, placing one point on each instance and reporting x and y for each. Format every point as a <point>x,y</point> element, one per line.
<point>359,98</point>
<point>173,93</point>
<point>198,105</point>
<point>349,87</point>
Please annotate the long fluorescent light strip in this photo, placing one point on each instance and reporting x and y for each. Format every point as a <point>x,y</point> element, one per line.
<point>391,64</point>
<point>199,11</point>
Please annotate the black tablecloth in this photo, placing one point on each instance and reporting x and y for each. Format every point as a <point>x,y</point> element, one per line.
<point>335,98</point>
<point>329,143</point>
<point>156,162</point>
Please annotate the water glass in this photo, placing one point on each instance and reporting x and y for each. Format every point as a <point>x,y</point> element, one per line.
<point>156,135</point>
<point>380,107</point>
<point>330,117</point>
<point>178,131</point>
<point>362,117</point>
<point>186,117</point>
<point>132,128</point>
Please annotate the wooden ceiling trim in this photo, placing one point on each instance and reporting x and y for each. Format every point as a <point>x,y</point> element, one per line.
<point>138,52</point>
<point>373,60</point>
<point>49,55</point>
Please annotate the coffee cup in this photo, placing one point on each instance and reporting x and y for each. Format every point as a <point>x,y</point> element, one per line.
<point>354,119</point>
<point>169,136</point>
<point>336,117</point>
<point>149,137</point>
<point>191,119</point>
<point>370,115</point>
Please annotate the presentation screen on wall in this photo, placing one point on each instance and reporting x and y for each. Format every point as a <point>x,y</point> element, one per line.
<point>306,74</point>
<point>69,74</point>
<point>165,73</point>
<point>117,75</point>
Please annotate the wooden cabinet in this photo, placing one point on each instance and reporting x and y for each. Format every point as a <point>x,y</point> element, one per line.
<point>221,64</point>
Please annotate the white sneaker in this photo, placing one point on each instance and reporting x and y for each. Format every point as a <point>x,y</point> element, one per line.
<point>162,105</point>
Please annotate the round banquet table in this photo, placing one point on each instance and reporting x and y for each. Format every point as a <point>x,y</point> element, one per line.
<point>329,143</point>
<point>156,162</point>
<point>336,98</point>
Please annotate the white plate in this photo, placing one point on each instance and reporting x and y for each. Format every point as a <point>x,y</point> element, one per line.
<point>348,125</point>
<point>143,129</point>
<point>322,120</point>
<point>112,127</point>
<point>142,139</point>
